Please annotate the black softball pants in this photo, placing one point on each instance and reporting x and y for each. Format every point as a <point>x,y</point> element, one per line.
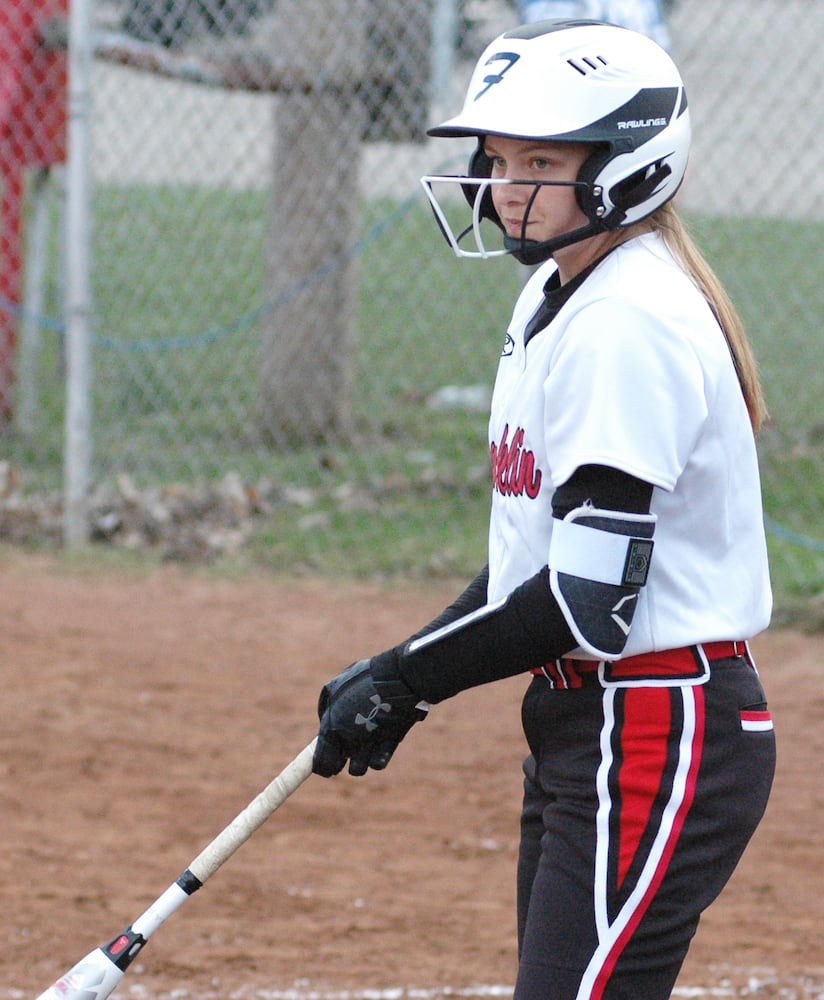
<point>638,804</point>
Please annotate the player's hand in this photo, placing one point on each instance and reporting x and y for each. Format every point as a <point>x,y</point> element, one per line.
<point>364,714</point>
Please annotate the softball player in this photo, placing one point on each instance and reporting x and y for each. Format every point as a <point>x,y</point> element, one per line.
<point>627,561</point>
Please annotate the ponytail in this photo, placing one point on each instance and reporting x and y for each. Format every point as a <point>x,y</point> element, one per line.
<point>667,222</point>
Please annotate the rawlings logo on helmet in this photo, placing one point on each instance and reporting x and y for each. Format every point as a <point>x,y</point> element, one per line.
<point>647,123</point>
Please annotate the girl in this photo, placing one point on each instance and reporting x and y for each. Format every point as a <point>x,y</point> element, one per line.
<point>627,560</point>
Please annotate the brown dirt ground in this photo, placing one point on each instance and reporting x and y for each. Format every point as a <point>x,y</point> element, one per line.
<point>142,711</point>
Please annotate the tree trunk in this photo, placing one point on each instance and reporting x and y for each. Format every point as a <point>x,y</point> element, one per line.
<point>308,343</point>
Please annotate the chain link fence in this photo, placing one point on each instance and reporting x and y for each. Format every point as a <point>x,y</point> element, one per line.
<point>278,335</point>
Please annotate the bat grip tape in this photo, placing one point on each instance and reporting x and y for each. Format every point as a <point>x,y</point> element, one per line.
<point>253,816</point>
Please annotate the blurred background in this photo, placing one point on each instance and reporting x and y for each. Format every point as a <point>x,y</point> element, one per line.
<point>229,327</point>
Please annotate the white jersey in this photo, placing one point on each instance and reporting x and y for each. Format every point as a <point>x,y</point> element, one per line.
<point>634,372</point>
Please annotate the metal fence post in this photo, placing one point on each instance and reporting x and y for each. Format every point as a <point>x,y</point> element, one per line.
<point>77,454</point>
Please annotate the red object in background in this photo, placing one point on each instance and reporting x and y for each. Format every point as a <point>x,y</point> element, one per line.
<point>33,131</point>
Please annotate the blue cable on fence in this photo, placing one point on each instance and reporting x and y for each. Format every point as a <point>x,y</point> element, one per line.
<point>793,537</point>
<point>51,323</point>
<point>254,315</point>
<point>243,321</point>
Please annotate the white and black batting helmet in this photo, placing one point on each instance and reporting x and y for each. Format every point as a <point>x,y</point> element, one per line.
<point>583,82</point>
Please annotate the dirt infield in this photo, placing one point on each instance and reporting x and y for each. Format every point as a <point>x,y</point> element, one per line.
<point>142,711</point>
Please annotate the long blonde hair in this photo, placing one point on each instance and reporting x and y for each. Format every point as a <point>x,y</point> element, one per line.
<point>669,224</point>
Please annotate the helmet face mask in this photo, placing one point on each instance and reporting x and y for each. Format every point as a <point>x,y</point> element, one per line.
<point>485,225</point>
<point>580,82</point>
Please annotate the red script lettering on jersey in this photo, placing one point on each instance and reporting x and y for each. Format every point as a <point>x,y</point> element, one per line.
<point>513,466</point>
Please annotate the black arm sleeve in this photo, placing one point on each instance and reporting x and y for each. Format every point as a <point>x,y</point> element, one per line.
<point>470,600</point>
<point>460,650</point>
<point>526,631</point>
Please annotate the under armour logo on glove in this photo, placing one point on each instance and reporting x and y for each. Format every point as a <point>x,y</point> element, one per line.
<point>364,714</point>
<point>369,720</point>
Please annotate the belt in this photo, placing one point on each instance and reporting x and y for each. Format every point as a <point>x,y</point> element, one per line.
<point>686,663</point>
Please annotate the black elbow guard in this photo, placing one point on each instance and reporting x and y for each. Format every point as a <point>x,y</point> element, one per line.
<point>598,562</point>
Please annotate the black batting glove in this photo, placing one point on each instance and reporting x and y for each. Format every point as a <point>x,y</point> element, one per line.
<point>364,714</point>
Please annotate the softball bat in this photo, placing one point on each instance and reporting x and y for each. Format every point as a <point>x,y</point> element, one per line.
<point>96,976</point>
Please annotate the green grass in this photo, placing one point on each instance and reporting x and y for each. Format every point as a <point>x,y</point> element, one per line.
<point>417,535</point>
<point>177,339</point>
<point>771,269</point>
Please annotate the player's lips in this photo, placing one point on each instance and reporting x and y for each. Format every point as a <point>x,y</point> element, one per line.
<point>514,227</point>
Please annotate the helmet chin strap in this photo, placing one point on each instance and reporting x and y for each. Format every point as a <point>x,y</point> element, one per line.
<point>532,252</point>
